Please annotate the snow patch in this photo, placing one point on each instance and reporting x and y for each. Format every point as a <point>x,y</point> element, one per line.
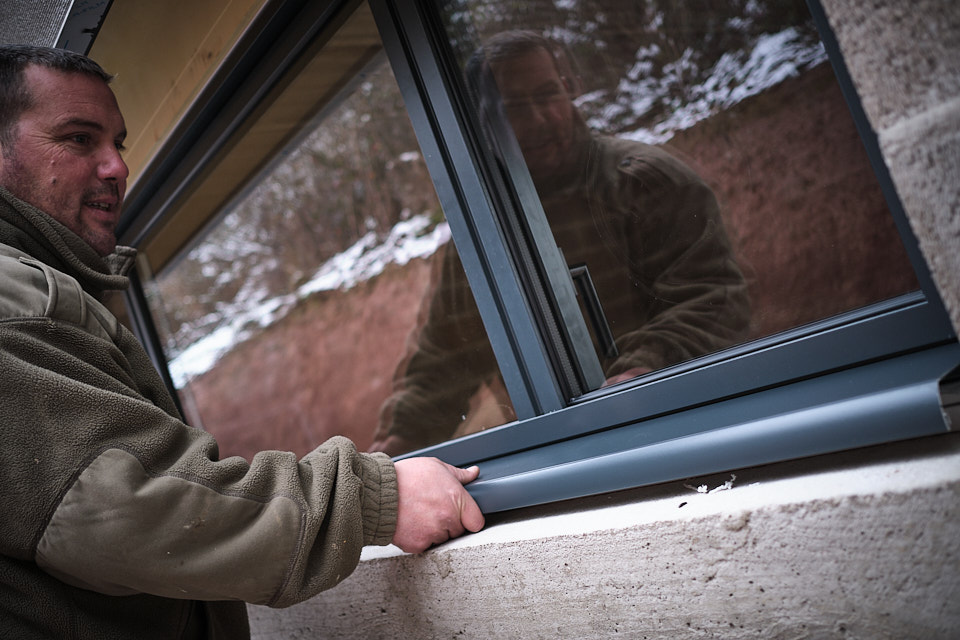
<point>365,259</point>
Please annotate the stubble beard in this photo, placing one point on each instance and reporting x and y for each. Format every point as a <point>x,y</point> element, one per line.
<point>25,185</point>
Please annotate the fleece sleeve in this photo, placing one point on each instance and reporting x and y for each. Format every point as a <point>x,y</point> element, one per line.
<point>106,489</point>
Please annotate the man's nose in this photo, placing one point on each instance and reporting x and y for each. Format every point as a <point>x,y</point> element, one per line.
<point>528,113</point>
<point>112,166</point>
<point>539,112</point>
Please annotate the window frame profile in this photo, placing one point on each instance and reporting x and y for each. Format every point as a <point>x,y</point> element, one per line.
<point>867,376</point>
<point>903,343</point>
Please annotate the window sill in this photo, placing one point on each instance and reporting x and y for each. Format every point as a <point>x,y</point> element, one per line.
<point>867,539</point>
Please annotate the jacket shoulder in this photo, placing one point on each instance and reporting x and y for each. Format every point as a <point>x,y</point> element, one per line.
<point>652,167</point>
<point>23,288</point>
<point>32,289</point>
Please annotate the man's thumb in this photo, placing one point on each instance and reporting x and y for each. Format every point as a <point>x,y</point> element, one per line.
<point>466,475</point>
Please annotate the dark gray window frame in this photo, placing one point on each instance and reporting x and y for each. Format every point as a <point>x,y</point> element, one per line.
<point>777,398</point>
<point>681,421</point>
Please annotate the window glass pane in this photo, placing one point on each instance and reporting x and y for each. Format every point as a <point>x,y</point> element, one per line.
<point>696,163</point>
<point>296,316</point>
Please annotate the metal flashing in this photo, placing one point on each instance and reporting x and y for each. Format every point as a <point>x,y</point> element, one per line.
<point>891,400</point>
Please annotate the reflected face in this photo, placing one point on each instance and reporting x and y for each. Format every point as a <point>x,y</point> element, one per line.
<point>538,106</point>
<point>65,155</point>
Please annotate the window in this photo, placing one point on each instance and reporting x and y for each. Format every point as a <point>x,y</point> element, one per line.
<point>672,182</point>
<point>700,165</point>
<point>714,273</point>
<point>285,318</point>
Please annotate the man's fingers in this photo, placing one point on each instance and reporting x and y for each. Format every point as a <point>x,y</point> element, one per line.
<point>434,506</point>
<point>470,515</point>
<point>466,475</point>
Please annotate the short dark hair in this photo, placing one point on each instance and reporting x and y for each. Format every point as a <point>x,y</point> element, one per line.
<point>506,46</point>
<point>500,47</point>
<point>15,96</point>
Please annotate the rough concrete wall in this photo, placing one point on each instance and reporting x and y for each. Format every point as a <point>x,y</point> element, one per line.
<point>863,545</point>
<point>904,58</point>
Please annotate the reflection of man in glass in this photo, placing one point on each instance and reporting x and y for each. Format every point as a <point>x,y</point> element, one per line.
<point>645,225</point>
<point>536,99</point>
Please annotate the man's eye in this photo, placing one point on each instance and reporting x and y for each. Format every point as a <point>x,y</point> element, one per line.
<point>547,97</point>
<point>80,138</point>
<point>119,146</point>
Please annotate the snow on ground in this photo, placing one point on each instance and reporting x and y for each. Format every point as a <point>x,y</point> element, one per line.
<point>735,77</point>
<point>366,259</point>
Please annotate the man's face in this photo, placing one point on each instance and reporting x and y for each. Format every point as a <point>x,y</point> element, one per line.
<point>538,106</point>
<point>65,155</point>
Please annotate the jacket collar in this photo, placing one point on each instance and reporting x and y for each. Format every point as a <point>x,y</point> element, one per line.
<point>32,231</point>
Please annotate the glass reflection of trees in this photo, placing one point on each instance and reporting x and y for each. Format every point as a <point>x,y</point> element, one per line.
<point>359,172</point>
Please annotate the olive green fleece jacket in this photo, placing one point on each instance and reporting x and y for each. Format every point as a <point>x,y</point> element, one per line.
<point>117,520</point>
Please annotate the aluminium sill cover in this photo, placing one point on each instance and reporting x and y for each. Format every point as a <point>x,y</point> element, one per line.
<point>894,399</point>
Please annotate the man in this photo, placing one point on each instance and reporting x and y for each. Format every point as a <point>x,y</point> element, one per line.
<point>645,225</point>
<point>120,521</point>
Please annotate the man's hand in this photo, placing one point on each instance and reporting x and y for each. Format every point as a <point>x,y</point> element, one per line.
<point>434,506</point>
